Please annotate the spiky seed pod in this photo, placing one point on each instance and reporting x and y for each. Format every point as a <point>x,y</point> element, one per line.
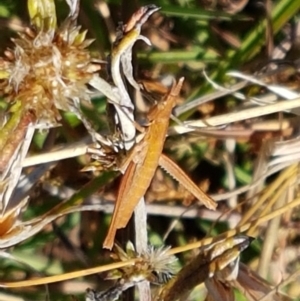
<point>49,67</point>
<point>155,265</point>
<point>161,265</point>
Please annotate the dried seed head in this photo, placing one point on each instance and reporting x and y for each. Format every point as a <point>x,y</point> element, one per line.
<point>154,265</point>
<point>48,69</point>
<point>161,264</point>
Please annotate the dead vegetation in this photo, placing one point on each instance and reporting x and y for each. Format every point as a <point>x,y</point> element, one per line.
<point>87,116</point>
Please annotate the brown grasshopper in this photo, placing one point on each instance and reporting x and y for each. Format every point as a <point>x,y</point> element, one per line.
<point>141,165</point>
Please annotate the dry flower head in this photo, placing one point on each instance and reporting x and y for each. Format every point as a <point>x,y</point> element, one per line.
<point>49,67</point>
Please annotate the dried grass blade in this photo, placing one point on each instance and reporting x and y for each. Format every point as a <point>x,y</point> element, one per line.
<point>237,116</point>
